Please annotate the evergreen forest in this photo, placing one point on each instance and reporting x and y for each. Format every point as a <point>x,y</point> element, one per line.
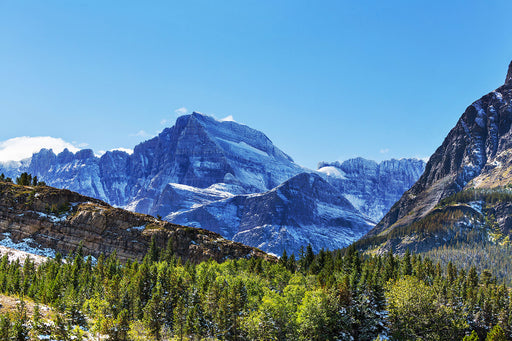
<point>339,295</point>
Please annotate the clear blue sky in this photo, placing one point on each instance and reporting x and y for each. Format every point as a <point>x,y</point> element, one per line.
<point>325,80</point>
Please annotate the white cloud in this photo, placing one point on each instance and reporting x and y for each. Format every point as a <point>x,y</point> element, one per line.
<point>424,158</point>
<point>181,111</point>
<point>126,150</point>
<point>140,133</point>
<point>384,151</point>
<point>228,118</point>
<point>20,148</point>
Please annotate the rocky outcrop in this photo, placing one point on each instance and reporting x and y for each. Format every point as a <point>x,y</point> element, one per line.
<point>62,220</point>
<point>370,186</point>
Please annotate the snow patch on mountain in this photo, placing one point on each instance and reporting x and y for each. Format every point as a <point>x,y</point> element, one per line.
<point>26,245</point>
<point>370,186</point>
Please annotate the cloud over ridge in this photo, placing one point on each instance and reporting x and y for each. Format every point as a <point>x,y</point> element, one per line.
<point>23,147</point>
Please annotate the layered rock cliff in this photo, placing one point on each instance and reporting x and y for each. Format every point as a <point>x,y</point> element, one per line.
<point>61,220</point>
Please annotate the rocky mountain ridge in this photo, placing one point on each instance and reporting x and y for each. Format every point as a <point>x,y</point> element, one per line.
<point>465,189</point>
<point>370,186</point>
<point>203,165</point>
<point>304,208</point>
<point>60,220</point>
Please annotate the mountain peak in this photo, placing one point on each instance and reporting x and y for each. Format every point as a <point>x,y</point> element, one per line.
<point>509,74</point>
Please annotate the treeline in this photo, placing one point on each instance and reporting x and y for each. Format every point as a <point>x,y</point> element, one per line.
<point>442,219</point>
<point>328,296</point>
<point>482,255</point>
<point>25,179</point>
<point>488,195</point>
<point>436,222</point>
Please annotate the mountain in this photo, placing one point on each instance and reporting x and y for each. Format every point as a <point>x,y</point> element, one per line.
<point>198,151</point>
<point>304,209</point>
<point>224,168</point>
<point>370,186</point>
<point>49,220</point>
<point>459,209</point>
<point>478,145</point>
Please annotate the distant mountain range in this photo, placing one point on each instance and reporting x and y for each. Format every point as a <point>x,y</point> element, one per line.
<point>229,178</point>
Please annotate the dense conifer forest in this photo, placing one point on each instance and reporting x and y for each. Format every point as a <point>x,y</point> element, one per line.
<point>329,296</point>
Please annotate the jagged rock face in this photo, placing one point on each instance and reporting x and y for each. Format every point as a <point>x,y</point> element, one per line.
<point>25,215</point>
<point>305,209</point>
<point>477,148</point>
<point>114,168</point>
<point>508,79</point>
<point>370,186</point>
<point>198,151</point>
<point>207,173</point>
<point>79,172</point>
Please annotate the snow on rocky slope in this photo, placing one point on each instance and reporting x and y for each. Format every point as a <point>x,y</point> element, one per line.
<point>370,186</point>
<point>304,209</point>
<point>220,174</point>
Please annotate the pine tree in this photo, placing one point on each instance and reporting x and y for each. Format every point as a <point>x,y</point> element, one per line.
<point>309,257</point>
<point>60,330</point>
<point>496,334</point>
<point>406,261</point>
<point>168,254</point>
<point>153,313</point>
<point>5,327</point>
<point>472,337</point>
<point>153,251</point>
<point>36,317</point>
<point>19,329</point>
<point>180,316</point>
<point>284,258</point>
<point>122,325</point>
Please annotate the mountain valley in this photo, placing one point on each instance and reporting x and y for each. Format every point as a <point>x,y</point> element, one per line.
<point>229,178</point>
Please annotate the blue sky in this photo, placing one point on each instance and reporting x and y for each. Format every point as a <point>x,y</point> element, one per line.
<point>325,80</point>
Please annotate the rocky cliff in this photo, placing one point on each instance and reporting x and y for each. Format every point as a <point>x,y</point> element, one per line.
<point>61,220</point>
<point>370,186</point>
<point>476,153</point>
